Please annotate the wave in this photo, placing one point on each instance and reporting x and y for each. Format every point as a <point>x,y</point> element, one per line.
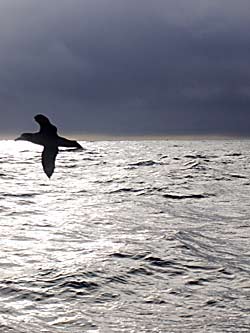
<point>196,156</point>
<point>144,163</point>
<point>220,253</point>
<point>185,196</point>
<point>126,190</point>
<point>238,176</point>
<point>74,284</point>
<point>233,154</point>
<point>20,195</point>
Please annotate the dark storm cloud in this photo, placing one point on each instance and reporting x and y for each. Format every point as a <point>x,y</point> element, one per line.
<point>126,67</point>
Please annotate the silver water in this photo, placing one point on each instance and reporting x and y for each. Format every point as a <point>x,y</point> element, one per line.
<point>146,236</point>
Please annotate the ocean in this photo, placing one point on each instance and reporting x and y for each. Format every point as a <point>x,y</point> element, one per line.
<point>130,236</point>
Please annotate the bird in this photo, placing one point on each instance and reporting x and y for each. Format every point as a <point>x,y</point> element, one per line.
<point>50,140</point>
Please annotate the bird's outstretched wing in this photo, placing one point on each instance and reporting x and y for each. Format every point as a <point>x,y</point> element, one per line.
<point>45,125</point>
<point>48,160</point>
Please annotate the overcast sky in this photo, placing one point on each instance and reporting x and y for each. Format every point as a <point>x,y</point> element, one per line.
<point>126,66</point>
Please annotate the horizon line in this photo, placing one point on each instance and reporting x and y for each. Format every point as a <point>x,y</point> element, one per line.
<point>140,137</point>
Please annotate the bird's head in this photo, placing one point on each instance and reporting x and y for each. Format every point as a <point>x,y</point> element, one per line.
<point>41,119</point>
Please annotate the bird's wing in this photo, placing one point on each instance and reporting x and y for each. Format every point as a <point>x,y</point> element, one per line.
<point>45,125</point>
<point>48,160</point>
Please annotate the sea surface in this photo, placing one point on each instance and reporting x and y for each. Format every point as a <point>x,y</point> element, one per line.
<point>149,236</point>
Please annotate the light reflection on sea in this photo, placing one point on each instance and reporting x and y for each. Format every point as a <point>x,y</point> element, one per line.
<point>149,236</point>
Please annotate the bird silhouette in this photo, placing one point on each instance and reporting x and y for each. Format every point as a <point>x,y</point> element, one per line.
<point>50,140</point>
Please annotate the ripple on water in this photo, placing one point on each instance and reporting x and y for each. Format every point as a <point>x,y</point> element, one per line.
<point>135,230</point>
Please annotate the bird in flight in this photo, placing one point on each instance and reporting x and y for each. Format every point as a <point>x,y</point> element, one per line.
<point>50,140</point>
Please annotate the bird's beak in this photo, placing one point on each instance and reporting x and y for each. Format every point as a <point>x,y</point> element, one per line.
<point>18,139</point>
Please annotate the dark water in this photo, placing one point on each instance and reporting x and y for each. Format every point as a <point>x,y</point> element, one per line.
<point>126,237</point>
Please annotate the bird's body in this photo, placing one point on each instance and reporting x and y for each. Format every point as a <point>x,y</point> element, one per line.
<point>43,139</point>
<point>50,140</point>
